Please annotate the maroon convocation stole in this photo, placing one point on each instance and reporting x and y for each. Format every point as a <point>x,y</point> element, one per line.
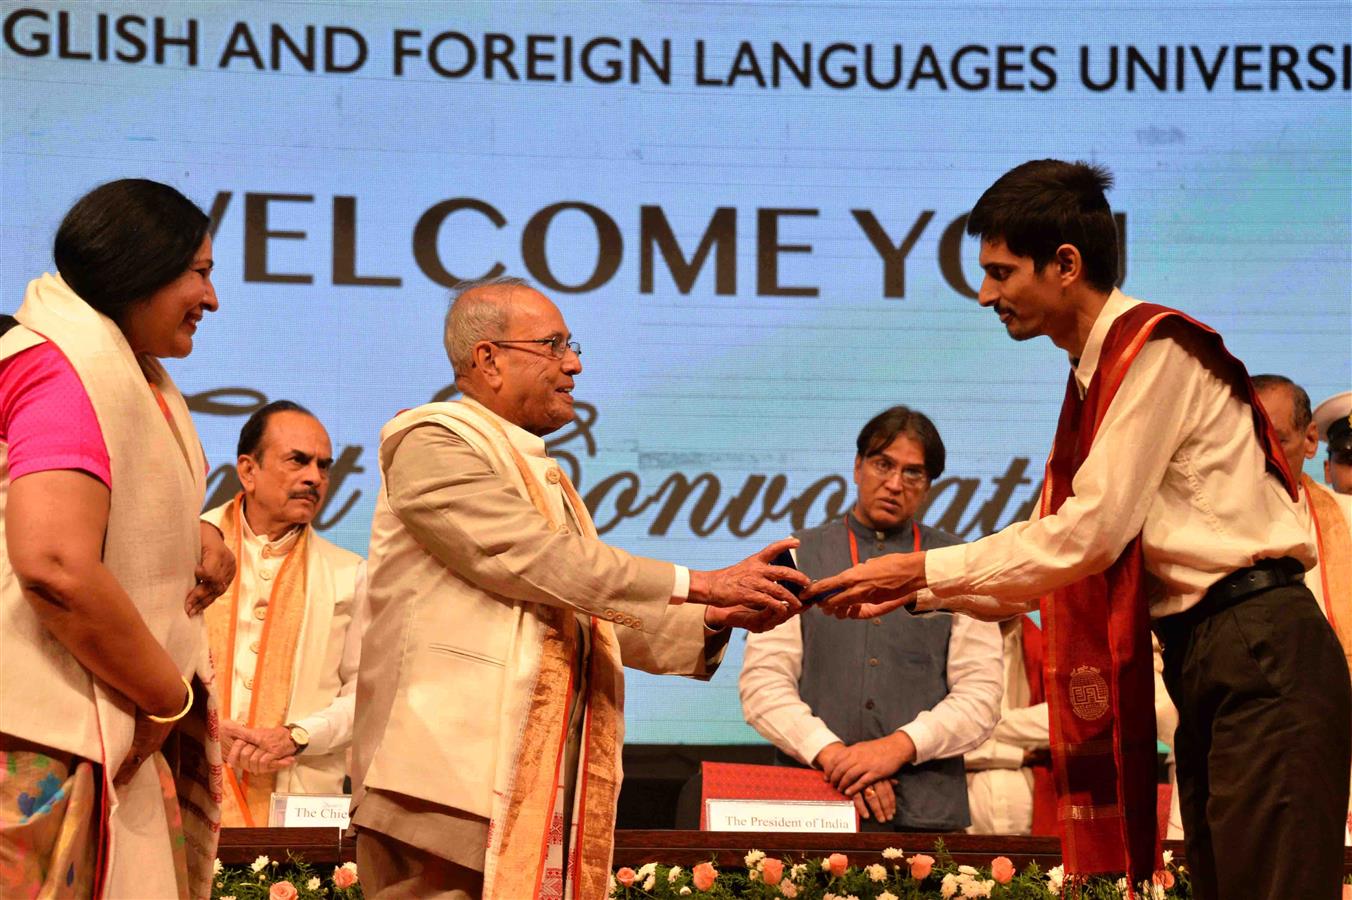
<point>1099,665</point>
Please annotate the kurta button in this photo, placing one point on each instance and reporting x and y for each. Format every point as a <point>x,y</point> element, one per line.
<point>563,529</point>
<point>880,546</point>
<point>877,623</point>
<point>868,704</point>
<point>248,683</point>
<point>265,574</point>
<point>260,613</point>
<point>267,553</point>
<point>553,476</point>
<point>873,661</point>
<point>254,646</point>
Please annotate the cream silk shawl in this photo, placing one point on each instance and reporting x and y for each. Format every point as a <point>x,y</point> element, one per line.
<point>152,548</point>
<point>534,699</point>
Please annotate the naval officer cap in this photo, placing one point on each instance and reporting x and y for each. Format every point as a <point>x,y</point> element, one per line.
<point>1334,419</point>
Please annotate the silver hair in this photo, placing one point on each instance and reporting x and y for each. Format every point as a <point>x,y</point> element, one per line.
<point>474,317</point>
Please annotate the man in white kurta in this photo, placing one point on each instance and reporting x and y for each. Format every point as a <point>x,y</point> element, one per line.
<point>286,636</point>
<point>489,705</point>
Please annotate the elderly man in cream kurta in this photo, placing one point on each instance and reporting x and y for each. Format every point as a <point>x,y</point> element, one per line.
<point>489,705</point>
<point>286,636</point>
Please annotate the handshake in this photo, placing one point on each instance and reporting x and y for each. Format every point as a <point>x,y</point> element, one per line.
<point>758,593</point>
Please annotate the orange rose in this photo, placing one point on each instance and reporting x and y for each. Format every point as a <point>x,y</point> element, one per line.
<point>704,875</point>
<point>772,870</point>
<point>282,890</point>
<point>1002,870</point>
<point>1165,879</point>
<point>837,863</point>
<point>344,878</point>
<point>625,876</point>
<point>921,866</point>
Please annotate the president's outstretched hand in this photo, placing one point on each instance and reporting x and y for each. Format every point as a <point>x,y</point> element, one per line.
<point>752,584</point>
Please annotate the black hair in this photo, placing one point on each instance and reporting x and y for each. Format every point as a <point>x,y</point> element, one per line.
<point>126,239</point>
<point>1040,205</point>
<point>884,428</point>
<point>1301,415</point>
<point>251,435</point>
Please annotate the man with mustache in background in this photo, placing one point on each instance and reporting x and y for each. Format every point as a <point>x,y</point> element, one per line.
<point>286,635</point>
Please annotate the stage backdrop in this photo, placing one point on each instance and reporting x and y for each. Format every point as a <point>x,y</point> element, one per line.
<point>750,213</point>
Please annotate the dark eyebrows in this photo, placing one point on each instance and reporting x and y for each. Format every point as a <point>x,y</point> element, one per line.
<point>304,458</point>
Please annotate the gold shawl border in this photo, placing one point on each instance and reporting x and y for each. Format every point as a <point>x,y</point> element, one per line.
<point>1334,538</point>
<point>521,837</point>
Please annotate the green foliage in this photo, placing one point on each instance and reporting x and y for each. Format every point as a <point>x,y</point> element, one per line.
<point>267,878</point>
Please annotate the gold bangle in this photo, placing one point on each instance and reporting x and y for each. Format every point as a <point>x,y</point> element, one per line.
<point>165,720</point>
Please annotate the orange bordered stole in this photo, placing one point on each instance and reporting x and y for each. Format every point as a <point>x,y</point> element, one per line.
<point>248,795</point>
<point>1099,669</point>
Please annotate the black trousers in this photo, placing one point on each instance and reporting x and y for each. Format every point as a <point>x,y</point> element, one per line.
<point>1263,746</point>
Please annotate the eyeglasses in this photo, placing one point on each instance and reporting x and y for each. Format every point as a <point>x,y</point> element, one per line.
<point>884,468</point>
<point>557,346</point>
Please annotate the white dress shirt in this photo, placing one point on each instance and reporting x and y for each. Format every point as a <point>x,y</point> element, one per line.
<point>999,788</point>
<point>771,703</point>
<point>1175,460</point>
<point>260,560</point>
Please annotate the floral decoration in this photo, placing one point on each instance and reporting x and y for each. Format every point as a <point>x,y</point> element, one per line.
<point>266,879</point>
<point>901,876</point>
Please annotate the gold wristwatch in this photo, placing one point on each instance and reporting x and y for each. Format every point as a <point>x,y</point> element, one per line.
<point>300,737</point>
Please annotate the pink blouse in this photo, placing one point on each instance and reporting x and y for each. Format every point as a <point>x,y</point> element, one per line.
<point>46,418</point>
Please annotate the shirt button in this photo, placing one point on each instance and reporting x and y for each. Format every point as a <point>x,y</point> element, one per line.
<point>553,476</point>
<point>563,529</point>
<point>877,623</point>
<point>254,646</point>
<point>868,704</point>
<point>265,574</point>
<point>260,613</point>
<point>873,661</point>
<point>248,683</point>
<point>267,553</point>
<point>880,546</point>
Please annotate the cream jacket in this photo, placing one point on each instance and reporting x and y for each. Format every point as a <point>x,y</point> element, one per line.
<point>450,658</point>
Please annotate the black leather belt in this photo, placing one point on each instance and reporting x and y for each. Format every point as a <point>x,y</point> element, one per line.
<point>1238,585</point>
<point>1261,576</point>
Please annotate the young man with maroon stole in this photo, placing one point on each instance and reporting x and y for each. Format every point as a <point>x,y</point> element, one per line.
<point>1167,504</point>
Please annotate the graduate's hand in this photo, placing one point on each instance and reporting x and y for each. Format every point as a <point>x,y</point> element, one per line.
<point>870,610</point>
<point>214,572</point>
<point>752,583</point>
<point>879,580</point>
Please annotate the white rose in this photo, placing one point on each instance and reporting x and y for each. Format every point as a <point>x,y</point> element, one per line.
<point>892,853</point>
<point>674,874</point>
<point>754,857</point>
<point>685,891</point>
<point>645,870</point>
<point>949,886</point>
<point>968,870</point>
<point>876,872</point>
